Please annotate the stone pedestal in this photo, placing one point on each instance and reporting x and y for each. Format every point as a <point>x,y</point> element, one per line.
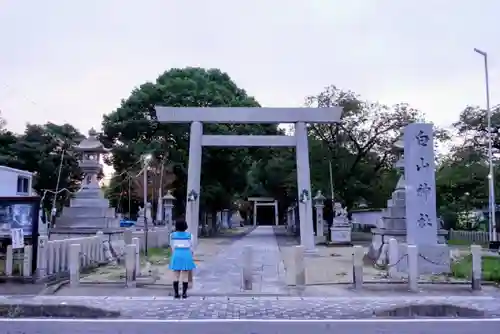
<point>432,259</point>
<point>340,232</point>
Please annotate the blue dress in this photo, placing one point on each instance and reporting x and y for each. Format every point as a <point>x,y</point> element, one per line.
<point>182,257</point>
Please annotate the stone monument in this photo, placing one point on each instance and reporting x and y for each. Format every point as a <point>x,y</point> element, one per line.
<point>340,231</point>
<point>411,216</point>
<point>89,211</point>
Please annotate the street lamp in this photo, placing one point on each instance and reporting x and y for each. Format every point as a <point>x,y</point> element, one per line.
<point>491,178</point>
<point>145,163</point>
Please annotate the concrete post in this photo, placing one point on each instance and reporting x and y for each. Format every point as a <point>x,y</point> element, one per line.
<point>42,256</point>
<point>299,266</point>
<point>127,236</point>
<point>137,255</point>
<point>100,247</point>
<point>27,261</point>
<point>476,267</point>
<point>193,182</point>
<point>304,183</point>
<point>247,271</point>
<point>9,261</point>
<point>357,267</point>
<point>130,258</point>
<point>74,264</point>
<point>413,268</point>
<point>393,257</point>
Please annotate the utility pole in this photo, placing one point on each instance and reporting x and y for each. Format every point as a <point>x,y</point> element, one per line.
<point>53,212</point>
<point>491,177</point>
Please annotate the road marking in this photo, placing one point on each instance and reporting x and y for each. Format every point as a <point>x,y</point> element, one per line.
<point>347,321</point>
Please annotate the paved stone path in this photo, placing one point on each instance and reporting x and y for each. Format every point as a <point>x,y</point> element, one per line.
<point>222,274</point>
<point>256,308</point>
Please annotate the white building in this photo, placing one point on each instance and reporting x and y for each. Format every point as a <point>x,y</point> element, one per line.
<point>15,182</point>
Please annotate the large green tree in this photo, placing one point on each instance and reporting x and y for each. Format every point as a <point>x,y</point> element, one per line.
<point>360,146</point>
<point>133,129</point>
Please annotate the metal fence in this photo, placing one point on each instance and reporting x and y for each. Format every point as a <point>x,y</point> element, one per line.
<point>479,237</point>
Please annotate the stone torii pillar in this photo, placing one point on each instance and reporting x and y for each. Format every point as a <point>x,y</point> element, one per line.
<point>194,178</point>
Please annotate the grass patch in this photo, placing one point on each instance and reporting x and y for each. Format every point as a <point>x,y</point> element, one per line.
<point>490,268</point>
<point>457,242</point>
<point>157,256</point>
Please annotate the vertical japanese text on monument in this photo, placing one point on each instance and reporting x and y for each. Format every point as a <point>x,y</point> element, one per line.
<point>422,138</point>
<point>424,189</point>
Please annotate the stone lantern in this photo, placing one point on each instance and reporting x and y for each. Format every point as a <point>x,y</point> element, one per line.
<point>89,209</point>
<point>319,204</point>
<point>91,150</point>
<point>168,204</point>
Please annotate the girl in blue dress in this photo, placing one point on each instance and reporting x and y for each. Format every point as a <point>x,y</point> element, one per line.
<point>181,262</point>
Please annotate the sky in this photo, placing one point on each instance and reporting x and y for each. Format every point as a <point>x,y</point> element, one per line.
<point>73,61</point>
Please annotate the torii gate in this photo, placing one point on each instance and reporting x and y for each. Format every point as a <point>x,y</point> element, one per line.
<point>239,115</point>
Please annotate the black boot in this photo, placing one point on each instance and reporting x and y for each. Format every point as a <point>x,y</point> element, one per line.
<point>184,289</point>
<point>176,290</point>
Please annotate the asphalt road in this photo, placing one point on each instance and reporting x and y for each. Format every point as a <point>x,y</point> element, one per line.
<point>221,326</point>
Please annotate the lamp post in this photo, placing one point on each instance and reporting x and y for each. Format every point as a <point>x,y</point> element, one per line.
<point>145,162</point>
<point>491,178</point>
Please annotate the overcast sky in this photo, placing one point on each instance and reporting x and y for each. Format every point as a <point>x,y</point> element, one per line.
<point>72,61</point>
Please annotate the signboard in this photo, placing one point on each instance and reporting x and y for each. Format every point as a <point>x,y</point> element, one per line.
<point>19,218</point>
<point>17,236</point>
<point>17,215</point>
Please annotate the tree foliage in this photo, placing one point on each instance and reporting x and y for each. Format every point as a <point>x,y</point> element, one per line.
<point>39,150</point>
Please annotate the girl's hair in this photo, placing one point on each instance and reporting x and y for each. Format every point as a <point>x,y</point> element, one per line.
<point>181,226</point>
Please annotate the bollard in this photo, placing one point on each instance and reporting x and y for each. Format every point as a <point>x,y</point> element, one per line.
<point>413,268</point>
<point>393,257</point>
<point>247,271</point>
<point>27,267</point>
<point>130,273</point>
<point>137,262</point>
<point>357,267</point>
<point>127,236</point>
<point>42,256</point>
<point>100,247</point>
<point>476,267</point>
<point>74,265</point>
<point>299,266</point>
<point>9,261</point>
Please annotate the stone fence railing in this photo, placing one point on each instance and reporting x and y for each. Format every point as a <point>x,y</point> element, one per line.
<point>55,257</point>
<point>480,237</point>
